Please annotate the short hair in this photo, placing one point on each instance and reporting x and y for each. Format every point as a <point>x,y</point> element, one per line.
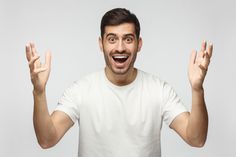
<point>119,16</point>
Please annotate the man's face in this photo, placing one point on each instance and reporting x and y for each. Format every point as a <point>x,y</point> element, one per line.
<point>120,46</point>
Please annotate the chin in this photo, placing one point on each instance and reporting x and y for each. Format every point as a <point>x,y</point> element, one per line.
<point>122,71</point>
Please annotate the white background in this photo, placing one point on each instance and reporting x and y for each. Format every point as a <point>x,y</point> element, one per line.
<point>70,29</point>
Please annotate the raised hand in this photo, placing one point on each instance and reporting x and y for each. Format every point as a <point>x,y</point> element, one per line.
<point>39,72</point>
<point>198,65</point>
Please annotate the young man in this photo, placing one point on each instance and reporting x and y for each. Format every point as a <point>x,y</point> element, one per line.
<point>120,109</point>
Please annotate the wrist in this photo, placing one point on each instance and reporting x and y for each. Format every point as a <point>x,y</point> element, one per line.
<point>198,90</point>
<point>196,86</point>
<point>38,92</point>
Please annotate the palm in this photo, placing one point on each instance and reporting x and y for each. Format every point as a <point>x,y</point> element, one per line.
<point>198,65</point>
<point>39,72</point>
<point>39,80</point>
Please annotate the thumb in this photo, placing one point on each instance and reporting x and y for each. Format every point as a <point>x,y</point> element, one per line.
<point>193,57</point>
<point>48,59</point>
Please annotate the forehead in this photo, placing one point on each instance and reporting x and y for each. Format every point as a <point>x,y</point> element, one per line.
<point>122,29</point>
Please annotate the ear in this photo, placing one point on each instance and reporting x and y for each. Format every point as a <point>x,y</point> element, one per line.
<point>100,44</point>
<point>140,43</point>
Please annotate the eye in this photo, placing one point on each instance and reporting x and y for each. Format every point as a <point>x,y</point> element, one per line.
<point>128,40</point>
<point>112,40</point>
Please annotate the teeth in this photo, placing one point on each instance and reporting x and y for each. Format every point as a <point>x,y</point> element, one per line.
<point>120,57</point>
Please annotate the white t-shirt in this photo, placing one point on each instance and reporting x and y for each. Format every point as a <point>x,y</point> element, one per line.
<point>120,121</point>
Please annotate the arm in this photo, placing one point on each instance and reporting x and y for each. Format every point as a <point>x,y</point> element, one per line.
<point>48,128</point>
<point>192,127</point>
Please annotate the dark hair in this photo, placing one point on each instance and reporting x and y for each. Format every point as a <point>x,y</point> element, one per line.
<point>119,16</point>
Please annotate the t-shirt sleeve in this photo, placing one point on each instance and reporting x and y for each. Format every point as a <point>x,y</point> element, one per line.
<point>172,105</point>
<point>70,101</point>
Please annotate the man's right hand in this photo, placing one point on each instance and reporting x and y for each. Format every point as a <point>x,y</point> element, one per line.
<point>39,72</point>
<point>49,129</point>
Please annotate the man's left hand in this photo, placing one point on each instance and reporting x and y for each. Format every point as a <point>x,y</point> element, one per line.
<point>198,65</point>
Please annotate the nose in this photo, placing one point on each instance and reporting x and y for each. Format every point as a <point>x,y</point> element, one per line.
<point>120,46</point>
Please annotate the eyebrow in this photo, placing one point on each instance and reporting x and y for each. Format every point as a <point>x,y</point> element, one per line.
<point>126,35</point>
<point>110,34</point>
<point>130,34</point>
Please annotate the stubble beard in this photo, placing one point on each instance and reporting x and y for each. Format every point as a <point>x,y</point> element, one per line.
<point>119,71</point>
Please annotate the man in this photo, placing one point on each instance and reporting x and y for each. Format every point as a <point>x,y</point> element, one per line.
<point>120,109</point>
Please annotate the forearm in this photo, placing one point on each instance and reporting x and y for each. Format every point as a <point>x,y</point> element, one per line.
<point>198,120</point>
<point>43,124</point>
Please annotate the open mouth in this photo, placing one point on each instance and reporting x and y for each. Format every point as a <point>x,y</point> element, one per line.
<point>120,58</point>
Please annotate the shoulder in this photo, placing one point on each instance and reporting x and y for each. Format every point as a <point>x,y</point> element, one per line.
<point>151,78</point>
<point>83,84</point>
<point>155,82</point>
<point>88,80</point>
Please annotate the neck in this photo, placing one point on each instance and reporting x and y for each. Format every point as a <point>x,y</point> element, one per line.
<point>121,79</point>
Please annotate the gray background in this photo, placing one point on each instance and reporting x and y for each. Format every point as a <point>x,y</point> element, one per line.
<point>70,29</point>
